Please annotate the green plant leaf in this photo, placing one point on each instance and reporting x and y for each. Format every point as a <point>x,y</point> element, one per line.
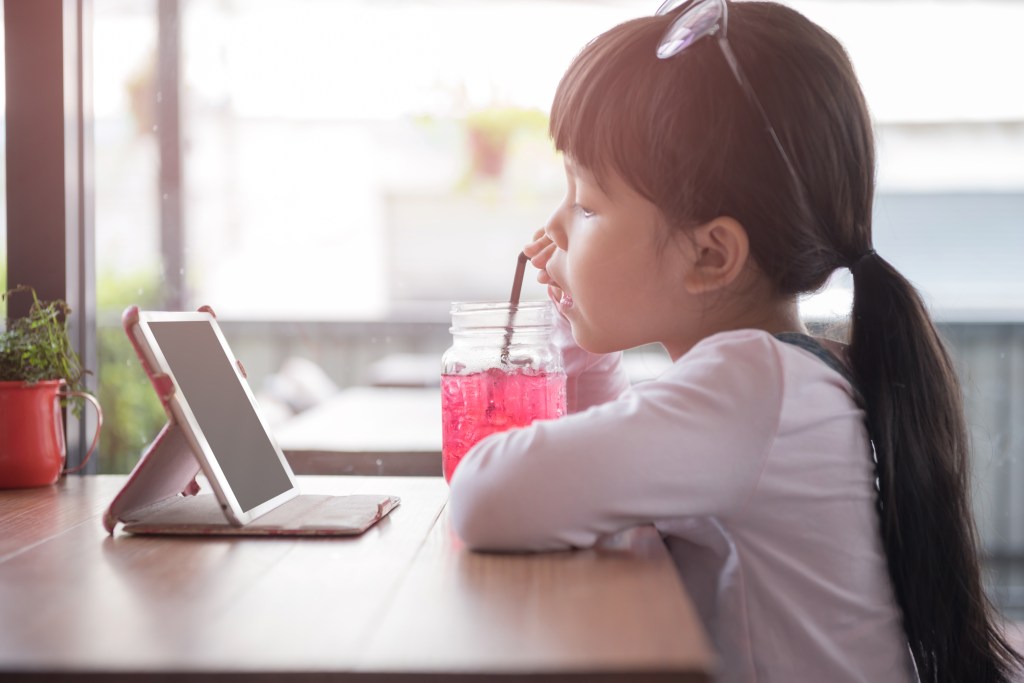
<point>37,347</point>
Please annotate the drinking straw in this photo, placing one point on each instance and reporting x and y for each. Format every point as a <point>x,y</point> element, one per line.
<point>517,281</point>
<point>513,304</point>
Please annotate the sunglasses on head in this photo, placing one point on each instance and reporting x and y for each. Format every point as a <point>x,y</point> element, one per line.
<point>705,18</point>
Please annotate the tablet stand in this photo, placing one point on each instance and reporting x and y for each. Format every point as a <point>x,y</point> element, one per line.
<point>168,467</point>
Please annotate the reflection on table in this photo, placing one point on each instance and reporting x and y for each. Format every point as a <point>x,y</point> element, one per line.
<point>403,602</point>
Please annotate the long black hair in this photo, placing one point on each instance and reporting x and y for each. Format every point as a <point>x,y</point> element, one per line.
<point>681,132</point>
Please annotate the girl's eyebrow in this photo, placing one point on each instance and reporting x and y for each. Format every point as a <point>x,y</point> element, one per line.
<point>585,175</point>
<point>582,173</point>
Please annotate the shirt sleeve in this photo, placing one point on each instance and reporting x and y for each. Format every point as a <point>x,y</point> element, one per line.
<point>692,442</point>
<point>591,378</point>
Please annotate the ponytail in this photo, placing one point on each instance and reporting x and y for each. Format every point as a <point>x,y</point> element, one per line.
<point>916,422</point>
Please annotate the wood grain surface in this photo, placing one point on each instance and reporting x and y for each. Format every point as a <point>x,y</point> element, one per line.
<point>404,601</point>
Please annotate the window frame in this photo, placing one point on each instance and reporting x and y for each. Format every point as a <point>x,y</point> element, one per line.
<point>50,207</point>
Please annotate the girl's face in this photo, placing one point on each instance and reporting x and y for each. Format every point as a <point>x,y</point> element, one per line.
<point>615,269</point>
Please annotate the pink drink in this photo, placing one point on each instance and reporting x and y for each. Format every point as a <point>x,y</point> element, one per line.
<point>477,405</point>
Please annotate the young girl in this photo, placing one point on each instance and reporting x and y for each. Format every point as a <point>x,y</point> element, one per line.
<point>719,161</point>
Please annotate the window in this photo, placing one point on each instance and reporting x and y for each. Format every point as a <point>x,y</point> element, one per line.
<point>337,162</point>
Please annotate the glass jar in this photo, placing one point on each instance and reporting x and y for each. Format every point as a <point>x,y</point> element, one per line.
<point>502,371</point>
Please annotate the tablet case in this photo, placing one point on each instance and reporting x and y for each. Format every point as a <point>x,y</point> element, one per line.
<point>160,494</point>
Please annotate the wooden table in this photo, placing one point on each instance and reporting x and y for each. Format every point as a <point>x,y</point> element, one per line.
<point>404,602</point>
<point>367,430</point>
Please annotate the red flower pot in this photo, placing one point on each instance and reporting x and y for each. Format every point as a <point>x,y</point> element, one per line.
<point>32,446</point>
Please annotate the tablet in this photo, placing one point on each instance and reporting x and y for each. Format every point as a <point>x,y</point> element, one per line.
<point>217,412</point>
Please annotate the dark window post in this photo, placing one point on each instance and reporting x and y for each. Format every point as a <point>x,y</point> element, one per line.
<point>50,237</point>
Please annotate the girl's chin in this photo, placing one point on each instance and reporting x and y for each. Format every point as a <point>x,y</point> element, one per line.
<point>590,343</point>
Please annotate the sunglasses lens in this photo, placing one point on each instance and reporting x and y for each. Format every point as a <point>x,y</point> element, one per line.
<point>670,6</point>
<point>700,20</point>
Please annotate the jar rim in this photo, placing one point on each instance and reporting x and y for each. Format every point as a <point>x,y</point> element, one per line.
<point>500,315</point>
<point>465,306</point>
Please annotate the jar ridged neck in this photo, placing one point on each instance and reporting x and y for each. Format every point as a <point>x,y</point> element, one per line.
<point>528,316</point>
<point>483,338</point>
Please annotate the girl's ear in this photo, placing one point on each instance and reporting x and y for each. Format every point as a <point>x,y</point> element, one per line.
<point>720,250</point>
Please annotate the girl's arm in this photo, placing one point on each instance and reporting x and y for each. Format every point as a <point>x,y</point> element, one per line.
<point>692,442</point>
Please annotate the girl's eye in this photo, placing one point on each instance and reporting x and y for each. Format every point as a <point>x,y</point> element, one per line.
<point>583,211</point>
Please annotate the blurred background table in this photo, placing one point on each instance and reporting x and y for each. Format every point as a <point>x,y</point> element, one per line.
<point>367,431</point>
<point>394,426</point>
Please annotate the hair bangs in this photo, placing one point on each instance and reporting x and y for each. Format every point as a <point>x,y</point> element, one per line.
<point>603,114</point>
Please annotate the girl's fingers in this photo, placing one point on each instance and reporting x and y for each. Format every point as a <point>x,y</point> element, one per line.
<point>539,251</point>
<point>540,241</point>
<point>540,258</point>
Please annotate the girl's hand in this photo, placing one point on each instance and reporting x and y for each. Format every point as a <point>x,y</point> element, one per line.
<point>539,252</point>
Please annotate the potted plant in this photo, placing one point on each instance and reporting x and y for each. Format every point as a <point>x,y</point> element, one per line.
<point>39,372</point>
<point>489,132</point>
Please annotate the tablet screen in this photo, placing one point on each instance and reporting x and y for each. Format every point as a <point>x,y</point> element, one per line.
<point>227,418</point>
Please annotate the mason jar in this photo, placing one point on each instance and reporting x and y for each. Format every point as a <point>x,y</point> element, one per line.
<point>502,371</point>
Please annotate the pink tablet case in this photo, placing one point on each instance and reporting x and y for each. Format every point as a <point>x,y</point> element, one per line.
<point>160,494</point>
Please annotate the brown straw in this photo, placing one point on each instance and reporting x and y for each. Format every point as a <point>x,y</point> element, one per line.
<point>513,304</point>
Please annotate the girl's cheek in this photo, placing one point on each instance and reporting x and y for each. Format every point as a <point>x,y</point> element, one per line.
<point>554,264</point>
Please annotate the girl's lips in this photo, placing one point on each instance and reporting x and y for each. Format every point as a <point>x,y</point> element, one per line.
<point>562,298</point>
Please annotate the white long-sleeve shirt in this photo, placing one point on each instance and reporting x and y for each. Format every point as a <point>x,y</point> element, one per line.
<point>751,457</point>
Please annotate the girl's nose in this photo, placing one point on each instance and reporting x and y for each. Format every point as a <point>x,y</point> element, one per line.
<point>555,231</point>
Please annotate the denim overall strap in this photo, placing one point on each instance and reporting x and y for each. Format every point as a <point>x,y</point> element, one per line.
<point>808,343</point>
<point>811,344</point>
